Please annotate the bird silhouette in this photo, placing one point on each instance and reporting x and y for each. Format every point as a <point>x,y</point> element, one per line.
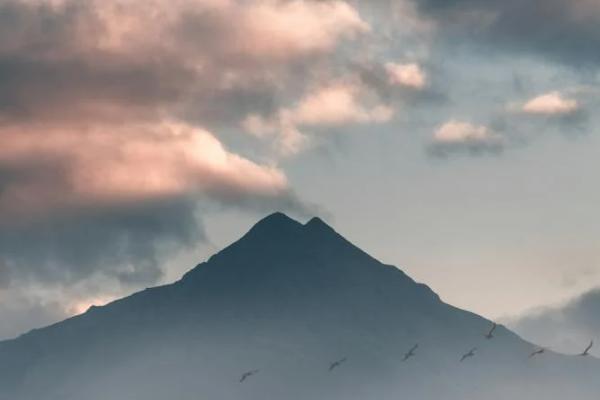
<point>336,364</point>
<point>248,374</point>
<point>490,334</point>
<point>470,354</point>
<point>411,353</point>
<point>586,352</point>
<point>537,352</point>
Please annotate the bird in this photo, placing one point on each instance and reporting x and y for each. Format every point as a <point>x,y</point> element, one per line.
<point>411,353</point>
<point>490,334</point>
<point>586,352</point>
<point>537,352</point>
<point>248,374</point>
<point>471,353</point>
<point>336,364</point>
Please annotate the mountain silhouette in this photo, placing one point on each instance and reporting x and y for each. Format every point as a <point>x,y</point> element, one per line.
<point>287,299</point>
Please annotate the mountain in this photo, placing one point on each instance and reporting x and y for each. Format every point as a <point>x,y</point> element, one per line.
<point>287,299</point>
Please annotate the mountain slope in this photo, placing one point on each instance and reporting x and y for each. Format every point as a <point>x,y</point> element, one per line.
<point>286,299</point>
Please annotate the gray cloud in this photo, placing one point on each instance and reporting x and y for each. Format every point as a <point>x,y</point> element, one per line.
<point>20,312</point>
<point>562,30</point>
<point>567,328</point>
<point>127,240</point>
<point>121,242</point>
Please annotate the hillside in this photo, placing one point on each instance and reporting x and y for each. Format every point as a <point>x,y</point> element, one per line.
<point>287,299</point>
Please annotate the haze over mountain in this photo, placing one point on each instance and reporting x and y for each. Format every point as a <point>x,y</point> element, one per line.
<point>567,328</point>
<point>287,299</point>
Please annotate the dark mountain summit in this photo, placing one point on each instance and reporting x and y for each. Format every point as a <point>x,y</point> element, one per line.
<point>287,299</point>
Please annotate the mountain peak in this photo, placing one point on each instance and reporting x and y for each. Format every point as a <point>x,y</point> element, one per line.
<point>277,225</point>
<point>277,220</point>
<point>317,225</point>
<point>316,221</point>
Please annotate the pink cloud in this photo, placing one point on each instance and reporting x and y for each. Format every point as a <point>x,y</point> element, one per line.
<point>553,103</point>
<point>409,75</point>
<point>282,29</point>
<point>103,167</point>
<point>88,105</point>
<point>114,59</point>
<point>458,132</point>
<point>458,137</point>
<point>334,104</point>
<point>338,104</point>
<point>256,30</point>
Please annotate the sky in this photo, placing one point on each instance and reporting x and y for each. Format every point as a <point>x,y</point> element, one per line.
<point>455,139</point>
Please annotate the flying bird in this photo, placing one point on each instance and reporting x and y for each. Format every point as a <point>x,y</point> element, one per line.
<point>470,354</point>
<point>586,352</point>
<point>490,334</point>
<point>336,364</point>
<point>248,374</point>
<point>537,352</point>
<point>411,353</point>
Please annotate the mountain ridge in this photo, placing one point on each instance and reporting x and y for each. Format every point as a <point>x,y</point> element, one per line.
<point>286,298</point>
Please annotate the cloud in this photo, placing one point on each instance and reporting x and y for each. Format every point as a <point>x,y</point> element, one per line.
<point>337,104</point>
<point>553,103</point>
<point>560,30</point>
<point>28,306</point>
<point>110,116</point>
<point>456,137</point>
<point>123,165</point>
<point>334,104</point>
<point>110,201</point>
<point>284,29</point>
<point>198,59</point>
<point>409,75</point>
<point>21,312</point>
<point>404,97</point>
<point>567,328</point>
<point>565,111</point>
<point>206,62</point>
